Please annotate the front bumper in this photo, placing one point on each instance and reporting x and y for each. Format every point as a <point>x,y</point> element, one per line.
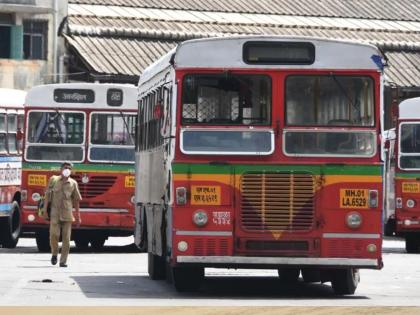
<point>244,261</point>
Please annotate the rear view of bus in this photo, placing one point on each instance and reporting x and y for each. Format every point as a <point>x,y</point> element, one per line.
<point>92,126</point>
<point>11,129</point>
<point>268,153</point>
<point>407,174</point>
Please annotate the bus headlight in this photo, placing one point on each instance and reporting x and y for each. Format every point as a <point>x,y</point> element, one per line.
<point>354,220</point>
<point>410,203</point>
<point>182,246</point>
<point>200,218</point>
<point>36,196</point>
<point>133,199</point>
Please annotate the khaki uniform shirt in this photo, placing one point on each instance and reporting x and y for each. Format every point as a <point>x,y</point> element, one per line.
<point>64,195</point>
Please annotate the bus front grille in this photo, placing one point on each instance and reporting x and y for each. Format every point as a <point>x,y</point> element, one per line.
<point>96,186</point>
<point>276,202</point>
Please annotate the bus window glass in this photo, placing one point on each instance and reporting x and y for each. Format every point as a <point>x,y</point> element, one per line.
<point>410,146</point>
<point>54,153</point>
<point>12,142</point>
<point>55,127</point>
<point>3,143</point>
<point>330,143</point>
<point>11,123</point>
<point>226,99</point>
<point>227,142</point>
<point>333,100</point>
<point>2,122</point>
<point>112,137</point>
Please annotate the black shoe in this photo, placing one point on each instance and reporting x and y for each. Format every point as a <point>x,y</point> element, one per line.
<point>63,265</point>
<point>53,260</point>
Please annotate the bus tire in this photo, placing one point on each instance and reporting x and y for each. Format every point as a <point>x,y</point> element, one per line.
<point>187,279</point>
<point>288,275</point>
<point>345,281</point>
<point>411,244</point>
<point>156,267</point>
<point>42,239</point>
<point>10,227</point>
<point>98,242</point>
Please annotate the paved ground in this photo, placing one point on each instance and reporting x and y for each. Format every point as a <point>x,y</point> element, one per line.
<point>118,277</point>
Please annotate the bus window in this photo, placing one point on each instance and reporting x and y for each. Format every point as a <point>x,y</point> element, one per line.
<point>2,122</point>
<point>112,137</point>
<point>410,146</point>
<point>329,100</point>
<point>316,142</point>
<point>55,127</point>
<point>11,133</point>
<point>226,99</point>
<point>3,143</point>
<point>55,136</point>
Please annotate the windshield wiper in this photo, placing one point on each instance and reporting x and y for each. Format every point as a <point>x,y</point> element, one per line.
<point>126,127</point>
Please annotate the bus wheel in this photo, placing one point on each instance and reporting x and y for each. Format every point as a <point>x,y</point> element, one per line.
<point>10,227</point>
<point>289,275</point>
<point>311,275</point>
<point>81,243</point>
<point>187,279</point>
<point>97,243</point>
<point>43,241</point>
<point>156,266</point>
<point>411,244</point>
<point>345,281</point>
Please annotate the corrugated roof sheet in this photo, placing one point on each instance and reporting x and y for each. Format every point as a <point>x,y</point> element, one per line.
<point>402,10</point>
<point>123,37</point>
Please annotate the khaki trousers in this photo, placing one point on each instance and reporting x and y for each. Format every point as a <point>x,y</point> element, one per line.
<point>65,228</point>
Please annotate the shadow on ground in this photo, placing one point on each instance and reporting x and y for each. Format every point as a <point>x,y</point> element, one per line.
<point>141,287</point>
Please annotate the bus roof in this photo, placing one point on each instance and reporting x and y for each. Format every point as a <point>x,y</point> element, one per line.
<point>12,98</point>
<point>227,52</point>
<point>83,95</point>
<point>409,108</point>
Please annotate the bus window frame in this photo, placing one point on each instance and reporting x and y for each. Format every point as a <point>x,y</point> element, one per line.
<point>231,153</point>
<point>331,74</point>
<point>60,110</point>
<point>400,154</point>
<point>91,145</point>
<point>326,154</point>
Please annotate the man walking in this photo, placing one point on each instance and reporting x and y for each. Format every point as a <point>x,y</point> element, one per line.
<point>63,193</point>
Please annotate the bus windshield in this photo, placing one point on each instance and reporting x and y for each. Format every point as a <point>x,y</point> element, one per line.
<point>55,136</point>
<point>226,99</point>
<point>335,102</point>
<point>112,137</point>
<point>410,146</point>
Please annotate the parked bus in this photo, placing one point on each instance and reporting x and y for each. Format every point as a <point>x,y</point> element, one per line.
<point>11,128</point>
<point>403,172</point>
<point>91,125</point>
<point>261,152</point>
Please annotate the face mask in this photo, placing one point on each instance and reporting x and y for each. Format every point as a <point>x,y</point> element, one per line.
<point>66,172</point>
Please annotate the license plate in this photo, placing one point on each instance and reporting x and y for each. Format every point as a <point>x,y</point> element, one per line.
<point>205,195</point>
<point>129,181</point>
<point>37,180</point>
<point>408,187</point>
<point>354,198</point>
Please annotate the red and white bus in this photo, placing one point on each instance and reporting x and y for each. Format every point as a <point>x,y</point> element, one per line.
<point>11,128</point>
<point>403,175</point>
<point>261,152</point>
<point>91,125</point>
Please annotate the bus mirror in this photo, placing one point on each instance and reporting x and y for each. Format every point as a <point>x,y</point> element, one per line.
<point>386,144</point>
<point>19,135</point>
<point>158,111</point>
